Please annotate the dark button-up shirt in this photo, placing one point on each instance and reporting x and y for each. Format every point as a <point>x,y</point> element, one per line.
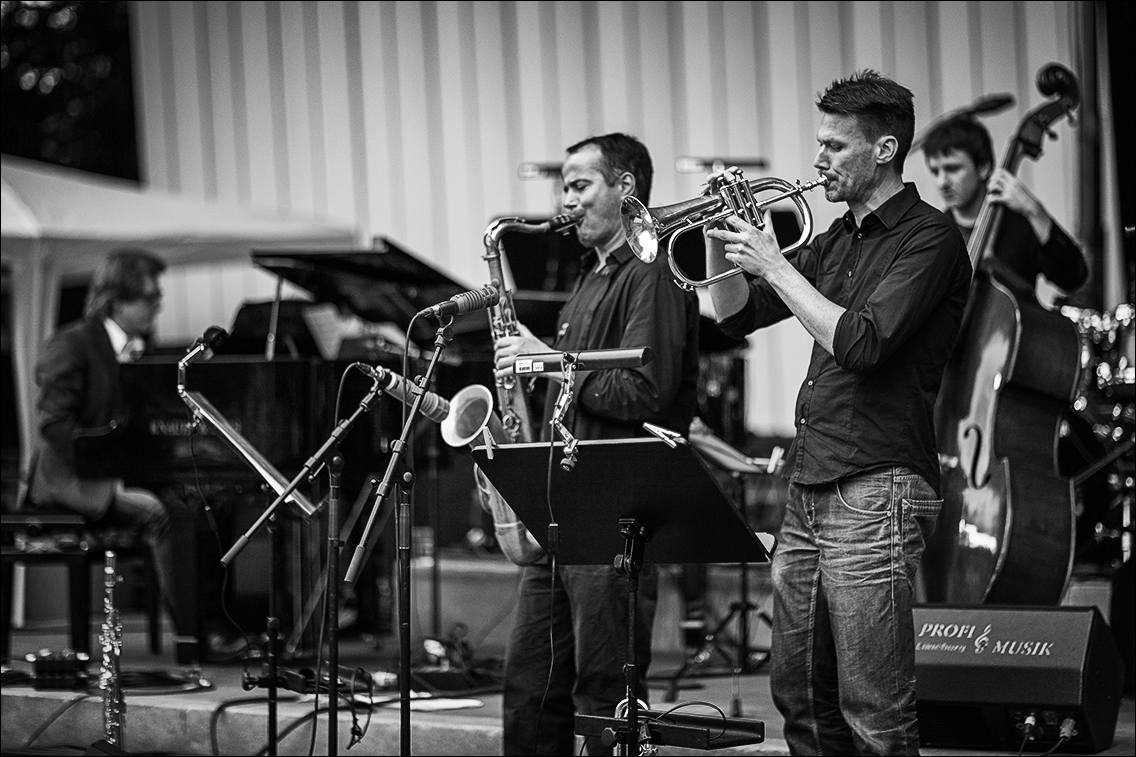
<point>629,304</point>
<point>903,277</point>
<point>1018,248</point>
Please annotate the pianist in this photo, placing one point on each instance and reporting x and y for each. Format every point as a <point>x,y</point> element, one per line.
<point>80,395</point>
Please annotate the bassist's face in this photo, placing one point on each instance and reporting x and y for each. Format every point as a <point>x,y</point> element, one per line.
<point>960,182</point>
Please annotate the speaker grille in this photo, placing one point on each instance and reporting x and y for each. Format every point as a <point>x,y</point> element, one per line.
<point>963,725</point>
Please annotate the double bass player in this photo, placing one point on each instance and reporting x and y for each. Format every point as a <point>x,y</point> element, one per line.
<point>1008,516</point>
<point>960,157</point>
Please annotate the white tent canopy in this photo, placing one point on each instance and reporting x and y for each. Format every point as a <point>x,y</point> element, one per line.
<point>59,222</point>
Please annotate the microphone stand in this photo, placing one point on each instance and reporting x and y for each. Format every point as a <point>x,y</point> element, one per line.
<point>327,454</point>
<point>334,469</point>
<point>273,635</point>
<point>444,336</point>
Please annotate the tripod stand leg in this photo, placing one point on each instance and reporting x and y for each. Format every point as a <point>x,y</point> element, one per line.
<point>710,644</point>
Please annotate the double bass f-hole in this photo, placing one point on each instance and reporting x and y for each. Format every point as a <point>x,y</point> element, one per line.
<point>974,463</point>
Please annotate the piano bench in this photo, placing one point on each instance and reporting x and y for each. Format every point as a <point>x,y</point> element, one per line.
<point>56,535</point>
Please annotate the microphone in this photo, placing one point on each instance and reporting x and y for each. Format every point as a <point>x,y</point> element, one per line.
<point>433,407</point>
<point>213,339</point>
<point>989,104</point>
<point>583,360</point>
<point>466,302</point>
<point>986,105</point>
<point>691,164</point>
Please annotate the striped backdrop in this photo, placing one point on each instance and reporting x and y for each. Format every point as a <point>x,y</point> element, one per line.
<point>410,119</point>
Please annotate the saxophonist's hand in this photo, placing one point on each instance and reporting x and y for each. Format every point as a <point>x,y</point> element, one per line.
<point>506,349</point>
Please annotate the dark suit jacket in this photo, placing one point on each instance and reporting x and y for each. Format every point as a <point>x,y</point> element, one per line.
<point>79,395</point>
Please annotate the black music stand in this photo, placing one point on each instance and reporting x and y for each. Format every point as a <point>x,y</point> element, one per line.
<point>203,410</point>
<point>648,491</point>
<point>746,660</point>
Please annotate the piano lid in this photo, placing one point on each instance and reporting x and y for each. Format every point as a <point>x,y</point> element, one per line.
<point>387,283</point>
<point>392,284</point>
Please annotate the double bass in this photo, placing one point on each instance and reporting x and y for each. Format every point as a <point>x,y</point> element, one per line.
<point>1006,532</point>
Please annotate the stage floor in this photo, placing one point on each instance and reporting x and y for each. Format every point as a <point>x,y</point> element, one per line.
<point>230,720</point>
<point>479,594</point>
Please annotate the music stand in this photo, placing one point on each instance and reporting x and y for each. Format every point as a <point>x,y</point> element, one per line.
<point>203,409</point>
<point>647,490</point>
<point>727,459</point>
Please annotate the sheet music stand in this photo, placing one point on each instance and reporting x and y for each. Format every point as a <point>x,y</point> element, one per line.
<point>648,491</point>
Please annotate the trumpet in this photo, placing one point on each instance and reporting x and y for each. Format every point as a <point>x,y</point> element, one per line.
<point>646,227</point>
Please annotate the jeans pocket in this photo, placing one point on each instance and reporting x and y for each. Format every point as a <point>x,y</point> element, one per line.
<point>866,494</point>
<point>922,514</point>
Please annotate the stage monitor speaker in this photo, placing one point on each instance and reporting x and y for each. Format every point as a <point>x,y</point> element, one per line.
<point>982,671</point>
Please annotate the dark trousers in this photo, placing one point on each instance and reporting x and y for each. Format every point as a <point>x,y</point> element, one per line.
<point>567,652</point>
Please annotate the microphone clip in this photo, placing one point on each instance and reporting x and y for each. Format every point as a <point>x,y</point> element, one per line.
<point>445,320</point>
<point>568,462</point>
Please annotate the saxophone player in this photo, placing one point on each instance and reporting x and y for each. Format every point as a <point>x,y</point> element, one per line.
<point>618,302</point>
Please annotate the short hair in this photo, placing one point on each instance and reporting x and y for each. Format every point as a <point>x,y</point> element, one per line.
<point>121,278</point>
<point>621,154</point>
<point>961,133</point>
<point>879,105</point>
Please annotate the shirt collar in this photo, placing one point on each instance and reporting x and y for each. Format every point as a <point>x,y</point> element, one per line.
<point>118,337</point>
<point>893,208</point>
<point>618,256</point>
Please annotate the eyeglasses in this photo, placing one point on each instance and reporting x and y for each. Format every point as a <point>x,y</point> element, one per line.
<point>152,298</point>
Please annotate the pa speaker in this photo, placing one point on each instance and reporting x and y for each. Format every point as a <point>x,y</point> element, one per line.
<point>1016,678</point>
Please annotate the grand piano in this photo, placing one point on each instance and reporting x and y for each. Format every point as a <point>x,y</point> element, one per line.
<point>277,381</point>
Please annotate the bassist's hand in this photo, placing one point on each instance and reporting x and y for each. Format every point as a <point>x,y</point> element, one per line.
<point>1008,190</point>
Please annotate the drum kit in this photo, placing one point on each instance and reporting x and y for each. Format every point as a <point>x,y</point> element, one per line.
<point>1098,437</point>
<point>1107,370</point>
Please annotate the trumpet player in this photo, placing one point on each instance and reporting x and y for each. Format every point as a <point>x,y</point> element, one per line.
<point>882,294</point>
<point>568,645</point>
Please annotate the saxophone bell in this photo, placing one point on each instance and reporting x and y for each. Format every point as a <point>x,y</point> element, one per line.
<point>471,415</point>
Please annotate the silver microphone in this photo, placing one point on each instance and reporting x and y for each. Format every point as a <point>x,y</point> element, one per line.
<point>433,407</point>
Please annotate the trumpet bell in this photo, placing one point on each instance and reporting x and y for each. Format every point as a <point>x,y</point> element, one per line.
<point>471,413</point>
<point>642,233</point>
<point>646,227</point>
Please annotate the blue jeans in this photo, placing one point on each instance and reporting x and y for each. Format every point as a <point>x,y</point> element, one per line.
<point>843,647</point>
<point>587,629</point>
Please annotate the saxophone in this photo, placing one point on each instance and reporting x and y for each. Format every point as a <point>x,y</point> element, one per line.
<point>110,684</point>
<point>471,410</point>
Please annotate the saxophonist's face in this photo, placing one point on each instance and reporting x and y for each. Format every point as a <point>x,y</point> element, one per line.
<point>588,195</point>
